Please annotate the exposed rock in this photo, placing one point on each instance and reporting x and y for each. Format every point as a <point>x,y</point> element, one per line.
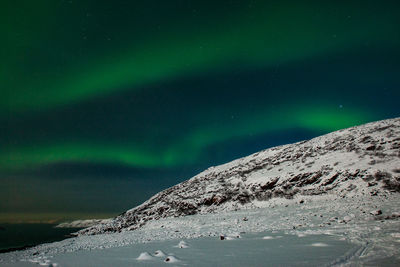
<point>82,223</point>
<point>395,215</point>
<point>346,218</point>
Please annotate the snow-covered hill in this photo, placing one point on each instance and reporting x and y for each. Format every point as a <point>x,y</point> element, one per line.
<point>358,161</point>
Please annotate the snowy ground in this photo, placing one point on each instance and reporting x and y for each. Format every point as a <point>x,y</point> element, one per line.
<point>307,231</point>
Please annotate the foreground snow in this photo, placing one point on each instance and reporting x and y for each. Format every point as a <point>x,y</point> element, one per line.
<point>307,231</point>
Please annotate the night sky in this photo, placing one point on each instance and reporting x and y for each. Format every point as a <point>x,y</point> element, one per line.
<point>104,103</point>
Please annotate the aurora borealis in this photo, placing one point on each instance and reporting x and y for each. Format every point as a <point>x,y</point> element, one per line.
<point>106,103</point>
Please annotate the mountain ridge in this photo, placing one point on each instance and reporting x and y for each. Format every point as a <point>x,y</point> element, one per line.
<point>361,160</point>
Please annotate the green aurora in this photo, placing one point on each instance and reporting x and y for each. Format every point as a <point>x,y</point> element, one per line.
<point>264,34</point>
<point>187,150</point>
<point>172,87</point>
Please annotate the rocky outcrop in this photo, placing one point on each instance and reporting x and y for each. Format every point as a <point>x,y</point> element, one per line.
<point>82,223</point>
<point>359,160</point>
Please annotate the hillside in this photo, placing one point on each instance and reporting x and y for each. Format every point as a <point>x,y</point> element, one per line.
<point>358,161</point>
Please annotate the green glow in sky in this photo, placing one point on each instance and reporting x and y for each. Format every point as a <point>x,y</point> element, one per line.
<point>268,35</point>
<point>187,150</point>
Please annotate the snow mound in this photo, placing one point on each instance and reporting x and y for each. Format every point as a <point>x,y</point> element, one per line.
<point>319,245</point>
<point>42,261</point>
<point>182,244</point>
<point>396,235</point>
<point>232,236</point>
<point>268,237</point>
<point>144,256</point>
<point>159,253</point>
<point>171,259</point>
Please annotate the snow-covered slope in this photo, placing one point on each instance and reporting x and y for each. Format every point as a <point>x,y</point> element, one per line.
<point>363,160</point>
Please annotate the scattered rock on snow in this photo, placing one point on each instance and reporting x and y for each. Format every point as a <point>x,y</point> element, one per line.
<point>333,219</point>
<point>395,214</point>
<point>376,212</point>
<point>346,218</point>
